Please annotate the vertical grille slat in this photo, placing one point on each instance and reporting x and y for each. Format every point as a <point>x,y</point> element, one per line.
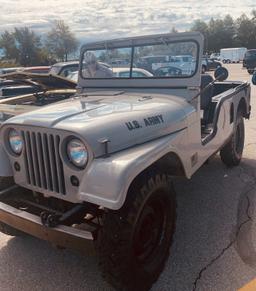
<point>35,159</point>
<point>29,157</point>
<point>28,171</point>
<point>43,161</point>
<point>58,164</point>
<point>40,160</point>
<point>47,162</point>
<point>53,163</point>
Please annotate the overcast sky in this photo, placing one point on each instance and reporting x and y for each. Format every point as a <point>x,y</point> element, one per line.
<point>102,19</point>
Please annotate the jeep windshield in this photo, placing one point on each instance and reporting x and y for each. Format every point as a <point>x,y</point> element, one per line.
<point>164,59</point>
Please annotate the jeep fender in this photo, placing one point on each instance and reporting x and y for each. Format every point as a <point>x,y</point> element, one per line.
<point>107,180</point>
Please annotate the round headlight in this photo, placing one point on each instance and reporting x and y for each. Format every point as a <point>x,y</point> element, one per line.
<point>77,153</point>
<point>15,141</point>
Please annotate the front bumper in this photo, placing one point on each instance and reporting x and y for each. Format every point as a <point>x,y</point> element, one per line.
<point>64,236</point>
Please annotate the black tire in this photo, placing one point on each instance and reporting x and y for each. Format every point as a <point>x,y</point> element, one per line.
<point>250,71</point>
<point>231,153</point>
<point>8,230</point>
<point>134,242</point>
<point>224,61</point>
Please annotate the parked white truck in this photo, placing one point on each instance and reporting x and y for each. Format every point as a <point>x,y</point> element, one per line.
<point>98,168</point>
<point>232,55</point>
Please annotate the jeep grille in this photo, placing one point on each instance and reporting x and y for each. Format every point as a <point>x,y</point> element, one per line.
<point>44,167</point>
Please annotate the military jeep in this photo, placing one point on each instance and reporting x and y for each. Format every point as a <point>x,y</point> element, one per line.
<point>97,169</point>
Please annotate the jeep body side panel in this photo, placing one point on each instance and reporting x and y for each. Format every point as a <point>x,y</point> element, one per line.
<point>223,124</point>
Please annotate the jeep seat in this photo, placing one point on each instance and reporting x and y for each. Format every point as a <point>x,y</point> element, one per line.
<point>206,96</point>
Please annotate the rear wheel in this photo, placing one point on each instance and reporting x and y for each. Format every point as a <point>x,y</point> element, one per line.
<point>231,153</point>
<point>134,241</point>
<point>250,71</point>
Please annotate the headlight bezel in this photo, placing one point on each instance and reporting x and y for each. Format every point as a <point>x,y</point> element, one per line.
<point>71,158</point>
<point>10,144</point>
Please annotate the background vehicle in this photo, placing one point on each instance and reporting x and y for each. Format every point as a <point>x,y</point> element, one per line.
<point>249,61</point>
<point>209,64</point>
<point>46,89</point>
<point>215,56</point>
<point>232,55</point>
<point>64,69</point>
<point>98,168</point>
<point>152,63</point>
<point>125,73</point>
<point>37,69</point>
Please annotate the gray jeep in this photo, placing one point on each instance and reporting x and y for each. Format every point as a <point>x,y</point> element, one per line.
<point>98,168</point>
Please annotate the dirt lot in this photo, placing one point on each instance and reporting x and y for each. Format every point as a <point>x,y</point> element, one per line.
<point>214,245</point>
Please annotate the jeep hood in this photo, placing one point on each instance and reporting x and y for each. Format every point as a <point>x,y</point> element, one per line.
<point>124,119</point>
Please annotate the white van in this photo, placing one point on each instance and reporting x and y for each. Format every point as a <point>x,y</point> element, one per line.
<point>232,55</point>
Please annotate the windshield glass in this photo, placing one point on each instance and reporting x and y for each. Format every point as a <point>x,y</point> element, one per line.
<point>165,60</point>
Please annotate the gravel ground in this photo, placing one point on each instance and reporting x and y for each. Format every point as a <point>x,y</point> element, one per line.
<point>214,245</point>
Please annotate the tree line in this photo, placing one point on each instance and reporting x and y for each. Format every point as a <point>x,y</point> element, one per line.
<point>228,32</point>
<point>26,48</point>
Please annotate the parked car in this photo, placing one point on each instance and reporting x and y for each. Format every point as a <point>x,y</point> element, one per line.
<point>37,69</point>
<point>48,89</point>
<point>249,61</point>
<point>254,78</point>
<point>64,69</point>
<point>215,56</point>
<point>98,169</point>
<point>209,64</point>
<point>152,63</point>
<point>9,70</point>
<point>136,72</point>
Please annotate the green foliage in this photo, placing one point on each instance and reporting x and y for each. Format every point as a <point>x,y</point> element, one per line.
<point>227,32</point>
<point>7,43</point>
<point>28,46</point>
<point>60,41</point>
<point>25,48</point>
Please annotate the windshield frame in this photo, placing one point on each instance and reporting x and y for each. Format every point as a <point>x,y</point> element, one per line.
<point>145,82</point>
<point>133,47</point>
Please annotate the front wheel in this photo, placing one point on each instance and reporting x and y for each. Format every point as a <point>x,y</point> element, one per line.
<point>231,153</point>
<point>134,241</point>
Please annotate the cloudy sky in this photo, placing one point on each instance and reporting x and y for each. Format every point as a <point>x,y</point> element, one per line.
<point>97,19</point>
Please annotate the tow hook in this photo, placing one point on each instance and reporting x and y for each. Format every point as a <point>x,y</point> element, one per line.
<point>49,219</point>
<point>74,215</point>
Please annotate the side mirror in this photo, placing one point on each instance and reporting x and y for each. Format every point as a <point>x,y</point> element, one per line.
<point>221,74</point>
<point>254,78</point>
